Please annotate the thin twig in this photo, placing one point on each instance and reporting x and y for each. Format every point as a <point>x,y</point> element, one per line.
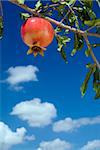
<point>63,18</point>
<point>52,5</point>
<point>48,6</point>
<point>91,52</point>
<point>90,28</point>
<point>1,9</point>
<point>93,34</point>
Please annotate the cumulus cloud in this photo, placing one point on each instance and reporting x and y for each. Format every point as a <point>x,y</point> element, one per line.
<point>8,138</point>
<point>36,113</point>
<point>56,144</point>
<point>69,124</point>
<point>29,138</point>
<point>21,74</point>
<point>92,145</point>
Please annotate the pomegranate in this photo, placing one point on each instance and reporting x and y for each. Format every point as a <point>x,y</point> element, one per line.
<point>37,33</point>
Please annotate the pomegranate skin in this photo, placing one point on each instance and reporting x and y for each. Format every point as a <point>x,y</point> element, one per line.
<point>37,31</point>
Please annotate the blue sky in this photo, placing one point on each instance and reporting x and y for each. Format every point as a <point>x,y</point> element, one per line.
<point>56,86</point>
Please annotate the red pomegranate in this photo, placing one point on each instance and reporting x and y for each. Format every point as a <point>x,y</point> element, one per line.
<point>37,33</point>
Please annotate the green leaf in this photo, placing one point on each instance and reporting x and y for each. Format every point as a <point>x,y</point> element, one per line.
<point>84,15</point>
<point>92,22</point>
<point>58,29</point>
<point>1,26</point>
<point>96,80</point>
<point>97,96</point>
<point>95,45</point>
<point>71,2</point>
<point>89,65</point>
<point>21,1</point>
<point>55,1</point>
<point>68,2</point>
<point>87,52</point>
<point>91,14</point>
<point>62,40</point>
<point>85,83</point>
<point>78,43</point>
<point>60,10</point>
<point>73,52</point>
<point>96,75</point>
<point>63,54</point>
<point>73,19</point>
<point>87,3</point>
<point>24,16</point>
<point>66,31</point>
<point>96,83</point>
<point>38,5</point>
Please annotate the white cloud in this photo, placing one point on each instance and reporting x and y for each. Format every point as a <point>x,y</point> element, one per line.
<point>29,138</point>
<point>36,113</point>
<point>21,74</point>
<point>56,144</point>
<point>92,145</point>
<point>70,124</point>
<point>8,138</point>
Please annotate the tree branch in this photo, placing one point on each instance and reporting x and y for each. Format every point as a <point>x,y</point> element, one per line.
<point>32,11</point>
<point>93,34</point>
<point>91,52</point>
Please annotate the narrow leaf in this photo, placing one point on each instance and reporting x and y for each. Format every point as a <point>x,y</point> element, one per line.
<point>85,83</point>
<point>21,1</point>
<point>89,65</point>
<point>68,2</point>
<point>55,1</point>
<point>24,16</point>
<point>87,3</point>
<point>1,27</point>
<point>73,52</point>
<point>91,14</point>
<point>78,43</point>
<point>97,96</point>
<point>92,22</point>
<point>63,54</point>
<point>96,83</point>
<point>87,52</point>
<point>38,5</point>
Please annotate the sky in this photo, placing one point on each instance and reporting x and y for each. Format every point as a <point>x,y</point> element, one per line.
<point>41,107</point>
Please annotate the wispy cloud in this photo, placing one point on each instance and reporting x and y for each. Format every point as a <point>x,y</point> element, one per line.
<point>8,138</point>
<point>29,138</point>
<point>69,124</point>
<point>36,113</point>
<point>92,145</point>
<point>56,144</point>
<point>21,74</point>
